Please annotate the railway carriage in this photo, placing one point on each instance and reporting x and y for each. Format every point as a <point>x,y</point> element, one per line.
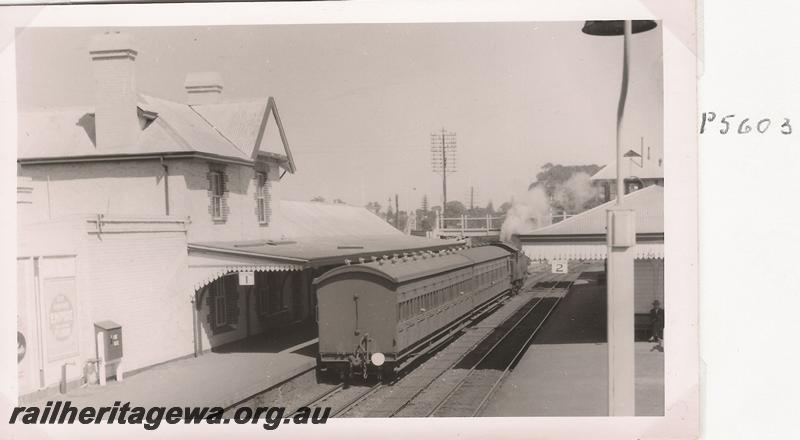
<point>374,316</point>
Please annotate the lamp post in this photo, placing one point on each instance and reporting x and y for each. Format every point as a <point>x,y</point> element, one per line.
<point>621,239</point>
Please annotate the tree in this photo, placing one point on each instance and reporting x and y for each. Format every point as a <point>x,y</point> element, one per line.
<point>389,214</point>
<point>490,208</point>
<point>375,207</point>
<point>339,201</point>
<point>425,220</point>
<point>318,199</point>
<point>568,187</point>
<point>504,208</point>
<point>454,208</point>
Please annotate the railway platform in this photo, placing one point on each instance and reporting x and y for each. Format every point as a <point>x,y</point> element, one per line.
<point>221,377</point>
<point>565,371</point>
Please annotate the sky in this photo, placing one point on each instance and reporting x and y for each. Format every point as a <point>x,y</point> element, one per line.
<point>359,101</point>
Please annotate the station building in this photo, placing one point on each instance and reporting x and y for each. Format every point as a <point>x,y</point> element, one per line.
<point>640,172</point>
<point>143,212</point>
<point>583,237</point>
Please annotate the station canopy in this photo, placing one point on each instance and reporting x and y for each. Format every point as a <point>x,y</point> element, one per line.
<point>583,237</point>
<point>312,235</point>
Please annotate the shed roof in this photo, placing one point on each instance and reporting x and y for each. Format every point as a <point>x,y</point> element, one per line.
<point>323,251</point>
<point>318,234</point>
<point>315,219</point>
<point>583,236</point>
<point>648,203</point>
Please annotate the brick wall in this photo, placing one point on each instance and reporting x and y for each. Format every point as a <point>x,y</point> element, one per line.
<point>114,188</point>
<point>190,179</point>
<point>136,188</point>
<point>130,274</point>
<point>138,279</point>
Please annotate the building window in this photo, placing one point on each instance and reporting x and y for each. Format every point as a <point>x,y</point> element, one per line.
<point>216,182</point>
<point>271,289</point>
<point>223,297</point>
<point>261,197</point>
<point>276,303</point>
<point>263,299</point>
<point>220,307</point>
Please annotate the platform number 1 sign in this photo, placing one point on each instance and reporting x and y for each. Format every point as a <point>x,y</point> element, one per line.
<point>246,278</point>
<point>559,266</point>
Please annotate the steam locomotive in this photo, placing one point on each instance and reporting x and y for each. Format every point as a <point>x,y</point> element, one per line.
<point>374,316</point>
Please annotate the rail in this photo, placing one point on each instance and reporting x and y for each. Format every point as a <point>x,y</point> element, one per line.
<point>517,356</point>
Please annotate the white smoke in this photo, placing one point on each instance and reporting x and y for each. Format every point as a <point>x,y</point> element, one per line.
<point>527,214</point>
<point>533,211</point>
<point>574,194</point>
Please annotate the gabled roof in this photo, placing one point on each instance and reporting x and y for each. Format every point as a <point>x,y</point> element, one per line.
<point>246,125</point>
<point>647,202</point>
<point>315,219</point>
<point>648,170</point>
<point>228,131</point>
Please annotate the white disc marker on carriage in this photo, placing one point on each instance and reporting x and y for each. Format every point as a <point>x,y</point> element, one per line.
<point>377,359</point>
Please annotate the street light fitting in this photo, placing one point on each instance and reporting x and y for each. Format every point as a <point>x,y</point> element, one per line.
<point>610,28</point>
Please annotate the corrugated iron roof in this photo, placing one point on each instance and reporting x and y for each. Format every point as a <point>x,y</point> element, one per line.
<point>320,234</point>
<point>314,219</point>
<point>323,251</point>
<point>647,202</point>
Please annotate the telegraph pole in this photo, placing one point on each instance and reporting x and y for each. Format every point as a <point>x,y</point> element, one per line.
<point>444,174</point>
<point>396,212</point>
<point>443,158</point>
<point>471,197</point>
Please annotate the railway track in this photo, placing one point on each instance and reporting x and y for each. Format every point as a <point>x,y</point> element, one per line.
<point>476,386</point>
<point>341,398</point>
<point>255,397</point>
<point>478,351</point>
<point>465,347</point>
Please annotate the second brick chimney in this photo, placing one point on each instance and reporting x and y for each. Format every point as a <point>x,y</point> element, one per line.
<point>203,88</point>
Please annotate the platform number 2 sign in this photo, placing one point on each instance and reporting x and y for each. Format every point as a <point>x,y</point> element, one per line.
<point>559,266</point>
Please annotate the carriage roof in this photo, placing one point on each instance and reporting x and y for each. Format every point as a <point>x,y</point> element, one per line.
<point>415,265</point>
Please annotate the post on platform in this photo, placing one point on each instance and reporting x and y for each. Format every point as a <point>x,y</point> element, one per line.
<point>621,240</point>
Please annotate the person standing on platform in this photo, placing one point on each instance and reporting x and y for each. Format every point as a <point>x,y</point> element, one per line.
<point>657,323</point>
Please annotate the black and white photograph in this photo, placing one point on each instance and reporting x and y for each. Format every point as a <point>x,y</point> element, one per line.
<point>282,224</point>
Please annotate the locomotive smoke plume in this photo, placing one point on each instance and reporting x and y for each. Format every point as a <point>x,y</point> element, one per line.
<point>527,214</point>
<point>533,210</point>
<point>574,194</point>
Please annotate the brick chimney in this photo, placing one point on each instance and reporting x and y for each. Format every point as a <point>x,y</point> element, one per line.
<point>116,116</point>
<point>203,88</point>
